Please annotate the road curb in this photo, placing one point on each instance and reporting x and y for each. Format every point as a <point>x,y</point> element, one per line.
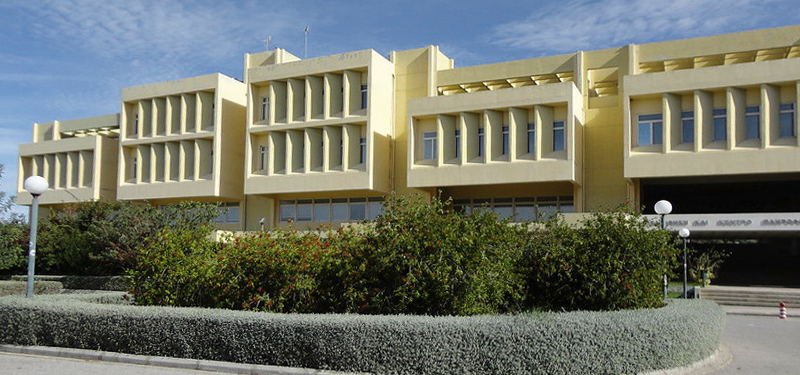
<point>168,362</point>
<point>721,358</point>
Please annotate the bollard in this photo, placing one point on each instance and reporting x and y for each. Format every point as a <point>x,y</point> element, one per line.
<point>783,310</point>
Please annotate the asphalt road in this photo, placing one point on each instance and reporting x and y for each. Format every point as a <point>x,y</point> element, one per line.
<point>761,345</point>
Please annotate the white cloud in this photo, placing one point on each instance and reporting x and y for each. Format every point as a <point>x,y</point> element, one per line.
<point>148,35</point>
<point>585,25</point>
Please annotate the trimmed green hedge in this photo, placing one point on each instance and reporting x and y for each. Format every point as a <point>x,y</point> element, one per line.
<point>115,283</point>
<point>615,342</point>
<point>13,287</point>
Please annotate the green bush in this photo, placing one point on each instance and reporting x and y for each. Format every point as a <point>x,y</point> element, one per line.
<point>20,288</point>
<point>416,258</point>
<point>612,260</point>
<point>110,283</point>
<point>420,258</point>
<point>102,238</point>
<point>13,245</point>
<point>617,342</point>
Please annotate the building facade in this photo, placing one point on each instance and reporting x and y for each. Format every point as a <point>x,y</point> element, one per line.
<point>708,123</point>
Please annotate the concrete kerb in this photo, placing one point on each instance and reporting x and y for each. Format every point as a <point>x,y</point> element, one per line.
<point>721,358</point>
<point>178,363</point>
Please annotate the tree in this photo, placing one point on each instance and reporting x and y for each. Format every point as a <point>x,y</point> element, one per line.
<point>13,238</point>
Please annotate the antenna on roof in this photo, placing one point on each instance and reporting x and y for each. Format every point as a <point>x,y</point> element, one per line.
<point>305,54</point>
<point>266,42</point>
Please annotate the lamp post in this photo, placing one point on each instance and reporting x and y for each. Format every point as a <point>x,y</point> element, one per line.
<point>35,185</point>
<point>684,233</point>
<point>663,208</point>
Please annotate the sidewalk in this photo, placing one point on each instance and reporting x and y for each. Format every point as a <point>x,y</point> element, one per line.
<point>35,360</point>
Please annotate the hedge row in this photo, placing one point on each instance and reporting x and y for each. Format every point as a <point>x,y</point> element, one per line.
<point>418,257</point>
<point>115,283</point>
<point>612,342</point>
<point>13,287</point>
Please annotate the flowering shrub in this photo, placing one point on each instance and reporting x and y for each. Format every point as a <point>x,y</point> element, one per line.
<point>416,258</point>
<point>614,260</point>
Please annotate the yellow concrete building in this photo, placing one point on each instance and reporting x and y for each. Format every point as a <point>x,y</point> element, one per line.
<point>183,140</point>
<point>78,158</point>
<point>702,122</point>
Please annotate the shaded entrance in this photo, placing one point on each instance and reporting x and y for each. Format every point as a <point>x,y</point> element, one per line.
<point>763,259</point>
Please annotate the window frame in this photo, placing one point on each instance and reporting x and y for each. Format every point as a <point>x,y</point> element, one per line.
<point>429,140</point>
<point>719,117</point>
<point>481,141</point>
<point>687,121</point>
<point>653,123</point>
<point>752,122</point>
<point>560,133</point>
<point>784,109</point>
<point>531,138</point>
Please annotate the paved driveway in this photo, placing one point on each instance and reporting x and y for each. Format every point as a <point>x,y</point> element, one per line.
<point>761,345</point>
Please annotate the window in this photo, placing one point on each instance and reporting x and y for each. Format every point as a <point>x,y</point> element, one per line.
<point>358,209</point>
<point>517,209</point>
<point>720,124</point>
<point>287,211</point>
<point>687,127</point>
<point>340,210</point>
<point>458,143</point>
<point>135,124</point>
<point>558,136</point>
<point>650,130</point>
<point>363,96</point>
<point>262,157</point>
<point>213,113</point>
<point>264,108</point>
<point>304,210</point>
<point>531,138</point>
<point>134,167</point>
<point>362,145</point>
<point>228,213</point>
<point>428,145</point>
<point>505,140</point>
<point>374,207</point>
<point>327,210</point>
<point>322,209</point>
<point>787,120</point>
<point>480,142</point>
<point>751,122</point>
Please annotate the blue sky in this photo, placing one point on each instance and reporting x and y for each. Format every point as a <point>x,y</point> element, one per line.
<point>66,59</point>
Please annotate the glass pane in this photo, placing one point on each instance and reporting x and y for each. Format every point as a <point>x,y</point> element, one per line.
<point>525,213</point>
<point>787,124</point>
<point>233,214</point>
<point>358,211</point>
<point>658,133</point>
<point>322,211</point>
<point>567,208</point>
<point>503,212</point>
<point>720,125</point>
<point>751,127</point>
<point>339,212</point>
<point>304,211</point>
<point>644,134</point>
<point>547,211</point>
<point>375,209</point>
<point>687,131</point>
<point>287,211</point>
<point>558,140</point>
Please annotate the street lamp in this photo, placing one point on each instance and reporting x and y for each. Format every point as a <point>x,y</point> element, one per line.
<point>36,185</point>
<point>663,208</point>
<point>684,233</point>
